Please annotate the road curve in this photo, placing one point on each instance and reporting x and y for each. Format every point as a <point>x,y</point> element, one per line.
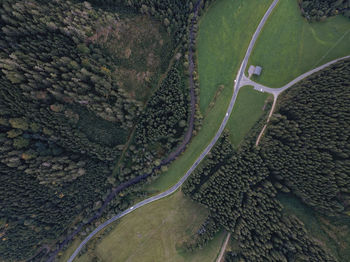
<point>203,154</point>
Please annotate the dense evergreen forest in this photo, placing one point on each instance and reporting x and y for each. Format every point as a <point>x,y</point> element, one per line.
<point>305,152</point>
<point>306,147</point>
<point>315,10</point>
<point>81,90</point>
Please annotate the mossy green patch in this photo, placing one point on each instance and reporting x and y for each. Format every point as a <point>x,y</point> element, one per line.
<point>332,232</point>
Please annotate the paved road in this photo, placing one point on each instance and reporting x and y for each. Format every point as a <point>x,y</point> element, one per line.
<point>206,150</point>
<point>277,91</point>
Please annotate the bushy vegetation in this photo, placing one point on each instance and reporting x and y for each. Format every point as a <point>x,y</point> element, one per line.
<point>321,9</point>
<point>305,152</point>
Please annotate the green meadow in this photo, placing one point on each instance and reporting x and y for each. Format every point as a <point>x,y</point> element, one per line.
<point>250,106</point>
<point>289,46</point>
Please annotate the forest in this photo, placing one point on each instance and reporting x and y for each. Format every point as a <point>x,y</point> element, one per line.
<point>304,153</point>
<point>82,110</point>
<point>319,10</point>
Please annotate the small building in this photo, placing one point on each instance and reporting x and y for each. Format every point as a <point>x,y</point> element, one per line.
<point>254,70</point>
<point>257,70</point>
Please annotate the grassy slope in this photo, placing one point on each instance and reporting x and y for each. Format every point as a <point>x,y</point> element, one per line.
<point>248,109</point>
<point>224,35</point>
<point>290,46</point>
<point>221,47</point>
<point>151,233</point>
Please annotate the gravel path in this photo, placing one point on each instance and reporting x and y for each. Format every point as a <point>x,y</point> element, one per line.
<point>223,248</point>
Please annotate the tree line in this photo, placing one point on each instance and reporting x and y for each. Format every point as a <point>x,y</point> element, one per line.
<point>317,10</point>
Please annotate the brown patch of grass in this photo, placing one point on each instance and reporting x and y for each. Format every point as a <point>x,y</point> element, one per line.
<point>138,45</point>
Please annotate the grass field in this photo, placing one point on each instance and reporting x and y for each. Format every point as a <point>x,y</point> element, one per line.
<point>248,109</point>
<point>222,42</point>
<point>289,46</point>
<point>333,233</point>
<point>152,233</point>
<point>219,58</point>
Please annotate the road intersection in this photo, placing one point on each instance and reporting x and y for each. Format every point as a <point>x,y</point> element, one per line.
<point>245,81</point>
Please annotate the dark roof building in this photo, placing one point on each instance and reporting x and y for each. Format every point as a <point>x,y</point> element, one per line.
<point>257,70</point>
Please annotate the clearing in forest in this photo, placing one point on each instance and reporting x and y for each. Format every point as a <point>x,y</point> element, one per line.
<point>332,232</point>
<point>289,45</point>
<point>141,48</point>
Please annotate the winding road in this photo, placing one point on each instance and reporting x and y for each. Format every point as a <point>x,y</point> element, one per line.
<point>203,154</point>
<point>240,81</point>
